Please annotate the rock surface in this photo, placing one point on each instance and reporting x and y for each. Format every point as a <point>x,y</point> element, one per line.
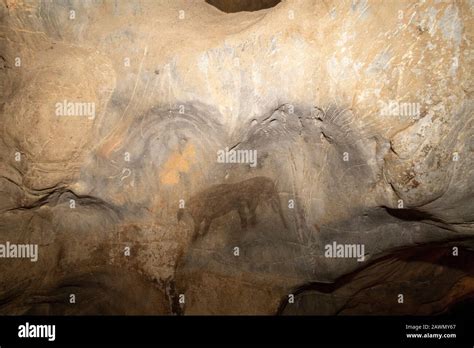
<point>114,114</point>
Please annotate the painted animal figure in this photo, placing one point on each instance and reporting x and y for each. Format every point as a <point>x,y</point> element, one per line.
<point>219,200</point>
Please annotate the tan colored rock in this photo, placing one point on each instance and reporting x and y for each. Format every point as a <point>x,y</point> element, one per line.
<point>360,113</point>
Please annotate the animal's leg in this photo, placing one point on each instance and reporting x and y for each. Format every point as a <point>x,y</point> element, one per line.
<point>276,205</point>
<point>253,212</point>
<point>207,225</point>
<point>197,227</point>
<point>243,217</point>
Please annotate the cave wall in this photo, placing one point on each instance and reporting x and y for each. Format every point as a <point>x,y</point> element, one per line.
<point>360,114</point>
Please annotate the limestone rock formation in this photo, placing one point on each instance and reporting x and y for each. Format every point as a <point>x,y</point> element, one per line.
<point>116,115</point>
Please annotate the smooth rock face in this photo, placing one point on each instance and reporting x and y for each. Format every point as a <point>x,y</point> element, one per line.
<point>132,134</point>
